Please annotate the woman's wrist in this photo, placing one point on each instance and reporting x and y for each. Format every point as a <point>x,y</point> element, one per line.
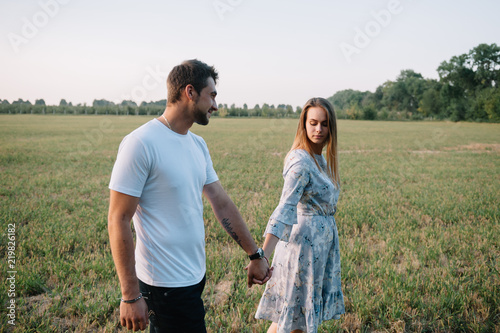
<point>267,252</point>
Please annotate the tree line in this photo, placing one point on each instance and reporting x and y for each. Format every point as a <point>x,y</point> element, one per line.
<point>467,89</point>
<point>127,107</point>
<point>98,107</point>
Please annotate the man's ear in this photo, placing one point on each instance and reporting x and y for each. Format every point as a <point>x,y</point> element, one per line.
<point>189,92</point>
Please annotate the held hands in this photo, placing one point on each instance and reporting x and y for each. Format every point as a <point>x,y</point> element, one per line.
<point>258,272</point>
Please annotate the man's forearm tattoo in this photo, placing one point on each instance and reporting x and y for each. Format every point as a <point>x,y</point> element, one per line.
<point>227,225</point>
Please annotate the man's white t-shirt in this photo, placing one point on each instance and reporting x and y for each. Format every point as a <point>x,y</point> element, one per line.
<point>167,171</point>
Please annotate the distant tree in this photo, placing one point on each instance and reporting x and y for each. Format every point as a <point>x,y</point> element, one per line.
<point>369,112</point>
<point>20,101</point>
<point>222,110</point>
<point>257,111</point>
<point>344,99</point>
<point>63,102</point>
<point>480,68</point>
<point>374,99</point>
<point>486,105</point>
<point>354,111</point>
<point>103,102</point>
<point>233,111</point>
<point>161,103</point>
<point>430,104</point>
<point>280,110</point>
<point>458,74</point>
<point>486,65</point>
<point>491,103</point>
<point>464,78</point>
<point>39,102</point>
<point>129,104</point>
<point>265,110</point>
<point>405,93</point>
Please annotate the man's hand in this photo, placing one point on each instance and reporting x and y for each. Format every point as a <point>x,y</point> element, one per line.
<point>134,316</point>
<point>258,272</point>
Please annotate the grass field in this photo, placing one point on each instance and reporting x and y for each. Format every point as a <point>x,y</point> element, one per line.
<point>418,220</point>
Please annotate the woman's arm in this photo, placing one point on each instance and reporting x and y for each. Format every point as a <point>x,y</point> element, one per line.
<point>270,244</point>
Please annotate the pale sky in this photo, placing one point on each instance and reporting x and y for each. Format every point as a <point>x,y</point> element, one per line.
<point>275,52</point>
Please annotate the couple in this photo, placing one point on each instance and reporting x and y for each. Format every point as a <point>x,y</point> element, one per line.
<point>161,171</point>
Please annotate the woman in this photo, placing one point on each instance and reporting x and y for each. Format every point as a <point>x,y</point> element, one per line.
<point>305,287</point>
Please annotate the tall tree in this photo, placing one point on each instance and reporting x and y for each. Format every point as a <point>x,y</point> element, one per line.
<point>430,104</point>
<point>485,61</point>
<point>465,77</point>
<point>458,73</point>
<point>405,93</point>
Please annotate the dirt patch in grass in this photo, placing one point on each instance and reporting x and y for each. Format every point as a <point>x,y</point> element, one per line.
<point>477,147</point>
<point>473,147</point>
<point>40,304</point>
<point>222,291</point>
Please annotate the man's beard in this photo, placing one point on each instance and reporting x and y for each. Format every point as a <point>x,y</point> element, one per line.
<point>201,118</point>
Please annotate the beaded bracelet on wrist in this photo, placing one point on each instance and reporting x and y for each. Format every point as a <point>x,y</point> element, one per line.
<point>129,301</point>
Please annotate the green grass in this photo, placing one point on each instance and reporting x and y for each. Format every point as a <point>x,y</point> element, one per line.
<point>418,221</point>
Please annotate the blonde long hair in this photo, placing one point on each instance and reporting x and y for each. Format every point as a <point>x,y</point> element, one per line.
<point>302,141</point>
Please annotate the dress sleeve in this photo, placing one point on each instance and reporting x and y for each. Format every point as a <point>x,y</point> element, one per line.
<point>296,175</point>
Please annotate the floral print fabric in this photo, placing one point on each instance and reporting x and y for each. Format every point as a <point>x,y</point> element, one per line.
<point>305,288</point>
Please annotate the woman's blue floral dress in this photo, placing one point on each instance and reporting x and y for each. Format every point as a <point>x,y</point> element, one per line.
<point>305,287</point>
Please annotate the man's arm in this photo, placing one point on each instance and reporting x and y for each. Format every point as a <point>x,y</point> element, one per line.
<point>121,210</point>
<point>230,218</point>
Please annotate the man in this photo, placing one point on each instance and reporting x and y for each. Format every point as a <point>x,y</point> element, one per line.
<point>161,171</point>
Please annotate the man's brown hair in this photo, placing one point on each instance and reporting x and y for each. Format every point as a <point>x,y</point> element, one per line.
<point>192,72</point>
